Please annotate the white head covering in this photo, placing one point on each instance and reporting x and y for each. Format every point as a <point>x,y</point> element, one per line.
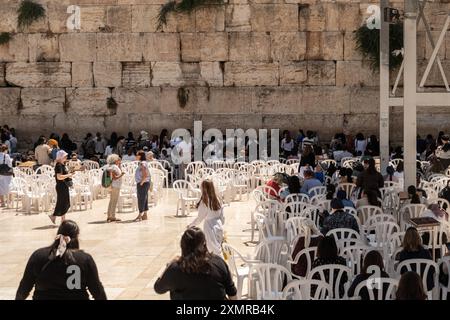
<point>63,241</point>
<point>310,229</point>
<point>144,135</point>
<point>60,155</point>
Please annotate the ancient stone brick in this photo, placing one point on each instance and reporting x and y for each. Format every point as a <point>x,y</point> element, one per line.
<point>166,74</point>
<point>107,74</point>
<point>204,47</point>
<point>119,47</point>
<point>274,17</point>
<point>312,17</point>
<point>9,101</point>
<point>15,50</point>
<point>325,99</point>
<point>136,74</point>
<point>79,47</point>
<point>249,46</point>
<point>144,18</point>
<point>137,100</point>
<point>350,51</point>
<point>88,101</point>
<point>82,75</point>
<point>43,47</point>
<point>293,73</point>
<point>333,45</point>
<point>210,19</point>
<point>118,18</point>
<point>314,48</point>
<point>288,46</point>
<point>36,101</point>
<point>321,73</point>
<point>161,47</point>
<point>237,18</point>
<point>40,74</point>
<point>93,18</point>
<point>2,75</point>
<point>355,73</point>
<point>251,74</point>
<point>211,73</point>
<point>8,22</point>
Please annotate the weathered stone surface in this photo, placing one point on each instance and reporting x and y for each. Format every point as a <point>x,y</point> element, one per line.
<point>93,18</point>
<point>249,46</point>
<point>325,99</point>
<point>447,46</point>
<point>78,47</point>
<point>277,100</point>
<point>434,77</point>
<point>15,50</point>
<point>136,74</point>
<point>187,74</point>
<point>342,16</point>
<point>88,101</point>
<point>161,47</point>
<point>166,74</point>
<point>211,73</point>
<point>364,100</point>
<point>312,17</point>
<point>43,47</point>
<point>9,101</point>
<point>333,45</point>
<point>293,73</point>
<point>181,22</point>
<point>204,47</point>
<point>237,18</point>
<point>2,75</point>
<point>251,74</point>
<point>274,17</point>
<point>321,73</point>
<point>224,100</point>
<point>119,47</point>
<point>8,22</point>
<point>144,18</point>
<point>107,74</point>
<point>118,18</point>
<point>38,101</point>
<point>137,100</point>
<point>40,74</point>
<point>210,19</point>
<point>288,46</point>
<point>314,48</point>
<point>355,73</point>
<point>82,75</point>
<point>350,51</point>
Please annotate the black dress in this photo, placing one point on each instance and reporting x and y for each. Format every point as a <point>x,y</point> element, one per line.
<point>62,192</point>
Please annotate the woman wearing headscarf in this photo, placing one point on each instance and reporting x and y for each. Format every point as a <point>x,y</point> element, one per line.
<point>63,182</point>
<point>54,148</point>
<point>5,180</point>
<point>61,271</point>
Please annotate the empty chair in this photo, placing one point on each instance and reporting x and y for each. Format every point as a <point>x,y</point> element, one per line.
<point>345,237</point>
<point>307,289</point>
<point>269,279</point>
<point>274,250</point>
<point>335,275</point>
<point>186,196</point>
<point>365,212</point>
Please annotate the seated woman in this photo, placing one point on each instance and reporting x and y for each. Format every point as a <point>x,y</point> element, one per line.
<point>50,270</point>
<point>311,238</point>
<point>318,173</point>
<point>275,183</point>
<point>413,249</point>
<point>368,198</point>
<point>341,195</point>
<point>410,287</point>
<point>197,274</point>
<point>293,187</point>
<point>372,258</point>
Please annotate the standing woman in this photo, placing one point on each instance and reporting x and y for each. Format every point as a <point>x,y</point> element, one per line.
<point>142,177</point>
<point>113,162</point>
<point>211,210</point>
<point>5,180</point>
<point>63,181</point>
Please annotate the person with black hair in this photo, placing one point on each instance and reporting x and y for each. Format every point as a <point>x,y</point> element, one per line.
<point>370,178</point>
<point>410,287</point>
<point>360,144</point>
<point>51,270</point>
<point>413,196</point>
<point>373,147</point>
<point>197,274</point>
<point>294,187</point>
<point>338,218</point>
<point>443,152</point>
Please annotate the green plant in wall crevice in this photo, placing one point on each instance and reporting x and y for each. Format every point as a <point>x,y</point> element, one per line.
<point>5,37</point>
<point>28,12</point>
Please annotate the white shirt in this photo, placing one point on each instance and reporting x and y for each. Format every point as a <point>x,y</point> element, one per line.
<point>108,151</point>
<point>116,183</point>
<point>185,149</point>
<point>288,146</point>
<point>360,146</point>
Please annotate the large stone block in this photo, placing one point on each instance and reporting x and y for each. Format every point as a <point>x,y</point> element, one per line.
<point>144,18</point>
<point>2,75</point>
<point>251,74</point>
<point>118,18</point>
<point>237,18</point>
<point>107,74</point>
<point>8,14</point>
<point>136,74</point>
<point>161,47</point>
<point>342,16</point>
<point>211,73</point>
<point>312,17</point>
<point>186,74</point>
<point>93,18</point>
<point>15,50</point>
<point>226,100</point>
<point>364,100</point>
<point>314,48</point>
<point>325,99</point>
<point>88,101</point>
<point>137,100</point>
<point>292,73</point>
<point>277,100</point>
<point>355,73</point>
<point>286,46</point>
<point>321,73</point>
<point>249,46</point>
<point>180,22</point>
<point>210,19</point>
<point>82,75</point>
<point>274,17</point>
<point>43,47</point>
<point>9,101</point>
<point>40,74</point>
<point>333,45</point>
<point>119,47</point>
<point>166,74</point>
<point>78,47</point>
<point>350,51</point>
<point>38,101</point>
<point>204,47</point>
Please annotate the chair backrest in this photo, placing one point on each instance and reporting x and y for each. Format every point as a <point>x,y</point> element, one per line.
<point>294,227</point>
<point>272,251</point>
<point>324,205</point>
<point>378,288</point>
<point>378,218</point>
<point>444,263</point>
<point>409,211</point>
<point>297,197</point>
<point>313,213</point>
<point>334,274</point>
<point>231,255</point>
<point>193,167</point>
<point>293,208</point>
<point>354,255</point>
<point>320,190</point>
<point>383,232</point>
<point>347,187</point>
<point>89,164</point>
<point>309,254</point>
<point>442,203</point>
<point>420,266</point>
<point>267,228</point>
<point>364,212</point>
<point>269,280</point>
<point>307,289</point>
<point>317,198</point>
<point>345,237</point>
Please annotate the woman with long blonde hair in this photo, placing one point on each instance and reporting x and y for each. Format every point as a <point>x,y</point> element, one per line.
<point>210,209</point>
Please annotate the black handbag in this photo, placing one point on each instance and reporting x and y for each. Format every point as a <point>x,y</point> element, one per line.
<point>5,170</point>
<point>68,182</point>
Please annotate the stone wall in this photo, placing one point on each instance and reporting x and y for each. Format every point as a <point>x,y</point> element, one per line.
<point>250,63</point>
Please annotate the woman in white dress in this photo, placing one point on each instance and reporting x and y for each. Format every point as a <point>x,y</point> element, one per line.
<point>210,209</point>
<point>5,181</point>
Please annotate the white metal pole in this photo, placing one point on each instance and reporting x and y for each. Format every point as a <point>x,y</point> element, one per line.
<point>384,89</point>
<point>410,92</point>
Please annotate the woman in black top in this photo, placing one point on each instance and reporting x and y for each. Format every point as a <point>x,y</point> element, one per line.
<point>370,178</point>
<point>308,157</point>
<point>410,287</point>
<point>63,180</point>
<point>61,271</point>
<point>197,274</point>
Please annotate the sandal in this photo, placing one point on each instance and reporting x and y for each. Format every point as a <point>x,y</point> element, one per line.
<point>139,218</point>
<point>144,216</point>
<point>53,218</point>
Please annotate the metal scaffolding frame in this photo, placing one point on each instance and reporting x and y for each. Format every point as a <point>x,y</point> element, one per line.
<point>413,94</point>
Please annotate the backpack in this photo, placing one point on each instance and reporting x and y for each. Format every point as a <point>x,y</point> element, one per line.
<point>106,178</point>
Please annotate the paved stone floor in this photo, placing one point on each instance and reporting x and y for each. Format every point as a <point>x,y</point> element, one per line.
<point>129,255</point>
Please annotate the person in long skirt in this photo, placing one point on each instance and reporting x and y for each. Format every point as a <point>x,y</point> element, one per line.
<point>5,181</point>
<point>210,209</point>
<point>142,177</point>
<point>63,179</point>
<point>114,163</point>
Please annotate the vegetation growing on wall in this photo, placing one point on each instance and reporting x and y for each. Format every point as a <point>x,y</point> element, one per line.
<point>28,12</point>
<point>5,37</point>
<point>183,97</point>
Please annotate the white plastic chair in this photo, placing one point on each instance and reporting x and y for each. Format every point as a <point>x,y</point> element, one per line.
<point>297,197</point>
<point>307,289</point>
<point>422,267</point>
<point>445,288</point>
<point>409,211</point>
<point>345,237</point>
<point>378,288</point>
<point>309,254</point>
<point>269,279</point>
<point>333,274</point>
<point>187,196</point>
